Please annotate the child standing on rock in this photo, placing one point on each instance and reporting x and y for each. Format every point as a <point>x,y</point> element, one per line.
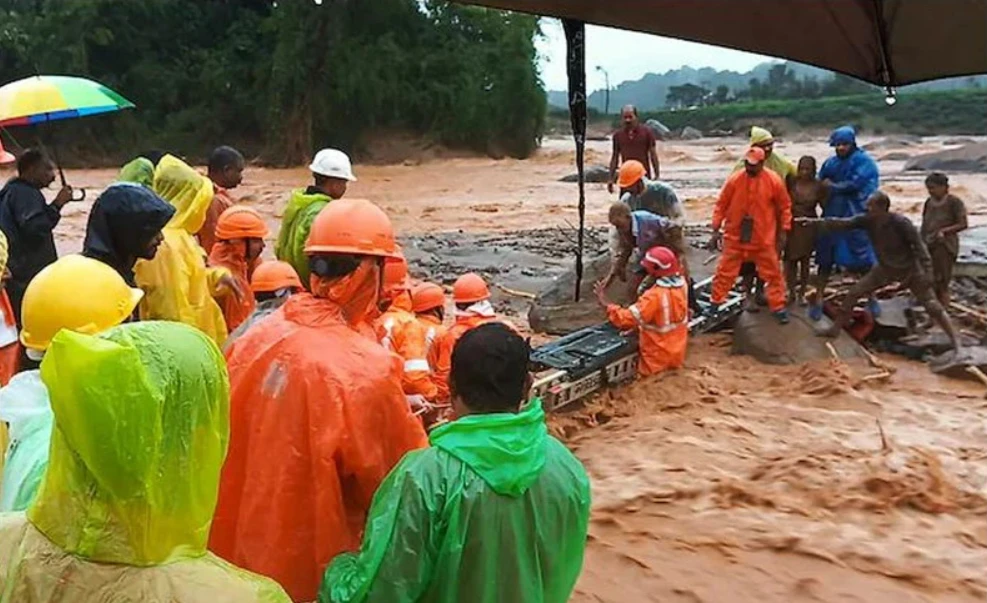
<point>943,217</point>
<point>808,193</point>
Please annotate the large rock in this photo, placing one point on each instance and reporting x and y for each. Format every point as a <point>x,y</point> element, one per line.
<point>593,173</point>
<point>662,132</point>
<point>556,312</point>
<point>690,133</point>
<point>758,334</point>
<point>954,364</point>
<point>900,140</point>
<point>968,158</point>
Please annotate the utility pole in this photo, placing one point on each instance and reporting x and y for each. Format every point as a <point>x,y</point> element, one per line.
<point>606,96</point>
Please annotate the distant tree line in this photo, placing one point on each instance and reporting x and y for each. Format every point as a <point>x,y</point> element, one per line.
<point>284,78</point>
<point>781,83</point>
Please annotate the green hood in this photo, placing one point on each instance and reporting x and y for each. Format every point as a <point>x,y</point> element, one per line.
<point>506,449</point>
<point>295,226</point>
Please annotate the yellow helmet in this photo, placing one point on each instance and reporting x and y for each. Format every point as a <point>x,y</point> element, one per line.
<point>76,293</point>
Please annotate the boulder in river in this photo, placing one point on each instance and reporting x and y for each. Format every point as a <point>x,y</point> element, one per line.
<point>899,140</point>
<point>968,158</point>
<point>760,335</point>
<point>690,133</point>
<point>555,311</point>
<point>593,173</point>
<point>896,156</point>
<point>662,132</point>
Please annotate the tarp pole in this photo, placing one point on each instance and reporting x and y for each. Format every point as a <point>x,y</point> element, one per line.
<point>575,38</point>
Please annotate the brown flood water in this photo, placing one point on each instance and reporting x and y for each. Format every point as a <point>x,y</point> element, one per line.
<point>727,480</point>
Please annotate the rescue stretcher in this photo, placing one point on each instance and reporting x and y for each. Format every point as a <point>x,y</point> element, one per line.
<point>571,368</point>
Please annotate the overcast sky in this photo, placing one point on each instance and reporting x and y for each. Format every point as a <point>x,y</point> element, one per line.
<point>629,55</point>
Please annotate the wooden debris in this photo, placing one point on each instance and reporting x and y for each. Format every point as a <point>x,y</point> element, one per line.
<point>515,292</point>
<point>979,374</point>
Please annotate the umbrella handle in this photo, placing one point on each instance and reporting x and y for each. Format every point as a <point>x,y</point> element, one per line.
<point>81,196</point>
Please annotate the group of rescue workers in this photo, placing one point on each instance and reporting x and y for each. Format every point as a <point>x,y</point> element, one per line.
<point>179,409</point>
<point>766,214</point>
<point>192,426</point>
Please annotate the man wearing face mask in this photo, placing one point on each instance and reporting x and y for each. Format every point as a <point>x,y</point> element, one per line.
<point>318,416</point>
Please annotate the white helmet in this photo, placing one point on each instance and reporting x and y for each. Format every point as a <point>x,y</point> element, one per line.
<point>334,164</point>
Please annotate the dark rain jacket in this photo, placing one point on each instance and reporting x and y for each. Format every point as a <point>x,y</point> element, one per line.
<point>28,220</point>
<point>123,221</point>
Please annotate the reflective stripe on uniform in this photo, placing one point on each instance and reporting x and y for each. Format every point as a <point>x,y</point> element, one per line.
<point>429,339</point>
<point>418,364</point>
<point>386,340</point>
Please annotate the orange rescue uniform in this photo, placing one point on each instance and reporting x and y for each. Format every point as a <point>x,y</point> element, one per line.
<point>661,316</point>
<point>221,201</point>
<point>232,255</point>
<point>317,420</point>
<point>764,198</point>
<point>440,354</point>
<point>400,332</point>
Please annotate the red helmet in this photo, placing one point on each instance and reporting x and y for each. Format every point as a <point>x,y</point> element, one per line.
<point>661,261</point>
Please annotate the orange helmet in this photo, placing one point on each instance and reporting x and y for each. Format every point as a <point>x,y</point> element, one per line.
<point>631,172</point>
<point>272,276</point>
<point>470,288</point>
<point>352,226</point>
<point>240,222</point>
<point>396,275</point>
<point>661,261</point>
<point>427,296</point>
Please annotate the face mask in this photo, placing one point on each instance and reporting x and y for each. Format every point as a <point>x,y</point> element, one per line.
<point>356,293</point>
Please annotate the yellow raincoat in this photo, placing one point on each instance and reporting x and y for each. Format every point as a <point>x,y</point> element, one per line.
<point>177,284</point>
<point>777,162</point>
<point>124,511</point>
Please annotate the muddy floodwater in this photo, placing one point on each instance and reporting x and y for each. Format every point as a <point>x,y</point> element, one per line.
<point>726,481</point>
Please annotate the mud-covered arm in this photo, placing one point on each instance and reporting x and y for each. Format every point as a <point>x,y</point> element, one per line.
<point>959,219</point>
<point>914,240</point>
<point>836,224</point>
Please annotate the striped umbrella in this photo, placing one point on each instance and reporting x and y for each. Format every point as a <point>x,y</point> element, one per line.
<point>43,98</point>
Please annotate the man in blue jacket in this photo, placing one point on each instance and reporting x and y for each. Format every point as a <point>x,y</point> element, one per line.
<point>852,177</point>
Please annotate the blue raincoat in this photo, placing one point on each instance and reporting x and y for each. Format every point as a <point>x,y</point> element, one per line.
<point>854,178</point>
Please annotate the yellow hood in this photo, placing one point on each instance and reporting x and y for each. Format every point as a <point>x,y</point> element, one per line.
<point>187,190</point>
<point>141,430</point>
<point>760,135</point>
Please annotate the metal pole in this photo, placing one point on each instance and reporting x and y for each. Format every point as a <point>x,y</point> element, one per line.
<point>575,37</point>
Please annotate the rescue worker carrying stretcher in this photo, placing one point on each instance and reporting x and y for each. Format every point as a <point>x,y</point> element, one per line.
<point>757,211</point>
<point>400,332</point>
<point>661,314</point>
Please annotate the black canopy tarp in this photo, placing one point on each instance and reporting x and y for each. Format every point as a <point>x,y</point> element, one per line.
<point>886,42</point>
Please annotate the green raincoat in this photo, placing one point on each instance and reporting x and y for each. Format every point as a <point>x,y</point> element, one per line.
<point>295,226</point>
<point>138,171</point>
<point>124,509</point>
<point>495,511</point>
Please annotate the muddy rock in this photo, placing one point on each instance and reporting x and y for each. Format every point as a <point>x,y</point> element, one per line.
<point>554,310</point>
<point>690,133</point>
<point>662,132</point>
<point>896,156</point>
<point>954,364</point>
<point>960,141</point>
<point>592,173</point>
<point>758,334</point>
<point>968,158</point>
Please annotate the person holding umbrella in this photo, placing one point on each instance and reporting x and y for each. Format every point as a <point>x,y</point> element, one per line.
<point>27,219</point>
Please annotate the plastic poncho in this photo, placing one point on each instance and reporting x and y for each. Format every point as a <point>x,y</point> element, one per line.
<point>139,171</point>
<point>177,284</point>
<point>776,162</point>
<point>232,255</point>
<point>853,179</point>
<point>122,223</point>
<point>125,507</point>
<point>318,418</point>
<point>25,407</point>
<point>496,510</point>
<point>304,206</point>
